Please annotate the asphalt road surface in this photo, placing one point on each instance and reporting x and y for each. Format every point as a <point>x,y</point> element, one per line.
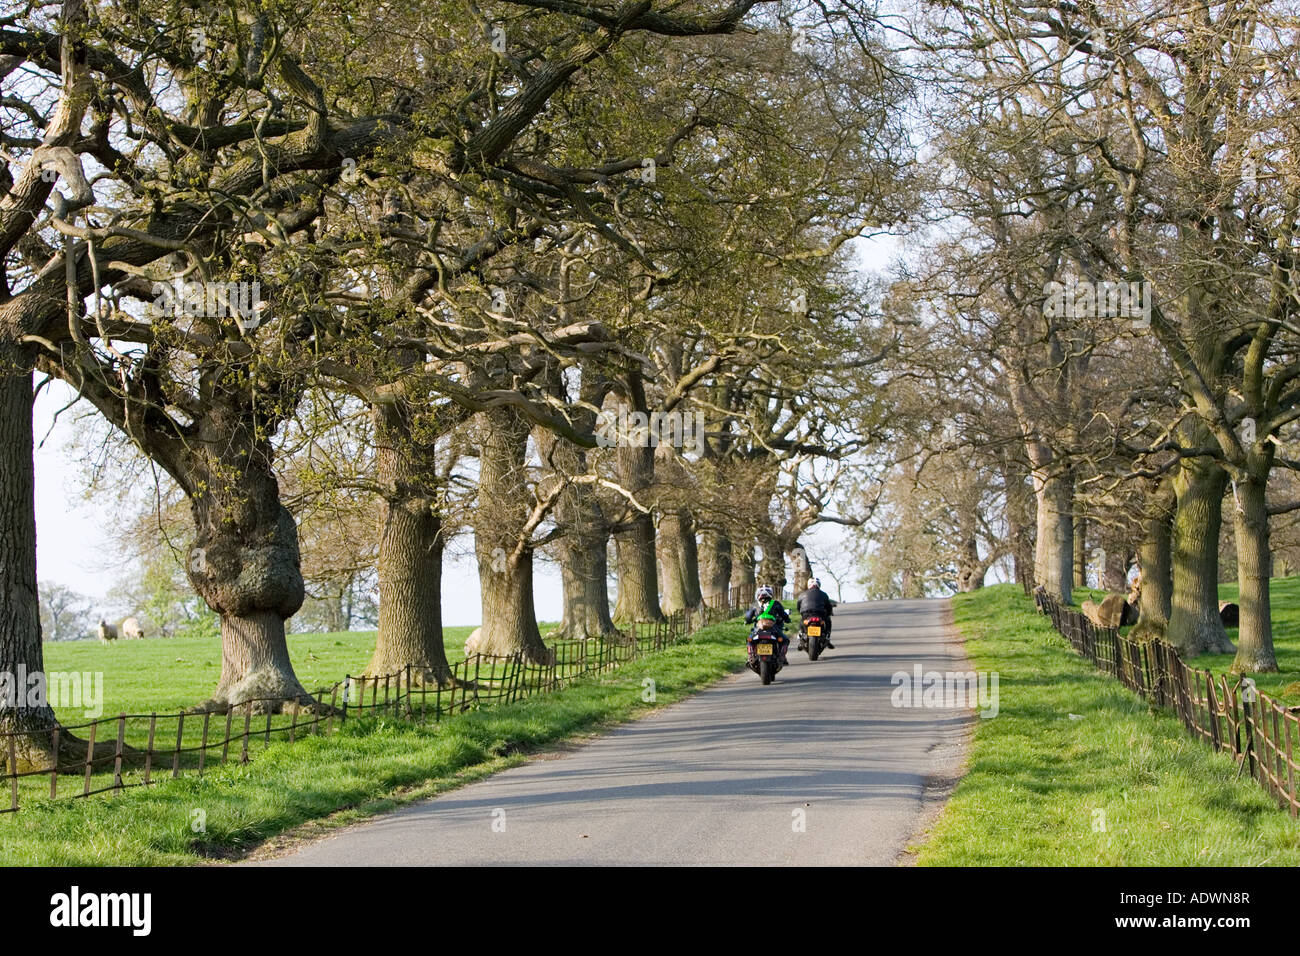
<point>819,768</point>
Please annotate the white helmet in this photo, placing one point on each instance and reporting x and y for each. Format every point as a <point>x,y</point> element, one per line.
<point>765,593</point>
<point>814,583</point>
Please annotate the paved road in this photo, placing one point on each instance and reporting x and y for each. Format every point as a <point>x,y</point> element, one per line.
<point>723,777</point>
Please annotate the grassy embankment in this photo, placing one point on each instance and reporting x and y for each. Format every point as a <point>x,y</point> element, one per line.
<point>1077,770</point>
<point>372,764</point>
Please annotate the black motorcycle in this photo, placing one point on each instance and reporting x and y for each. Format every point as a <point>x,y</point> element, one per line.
<point>765,655</point>
<point>813,636</point>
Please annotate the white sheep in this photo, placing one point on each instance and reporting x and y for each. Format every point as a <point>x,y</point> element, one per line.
<point>131,629</point>
<point>107,632</point>
<point>471,642</point>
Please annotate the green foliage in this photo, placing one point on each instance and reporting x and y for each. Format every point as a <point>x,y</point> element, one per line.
<point>163,601</point>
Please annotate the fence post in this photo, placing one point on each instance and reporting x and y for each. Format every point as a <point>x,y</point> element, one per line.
<point>117,752</point>
<point>1213,706</point>
<point>248,723</point>
<point>13,771</point>
<point>1275,742</point>
<point>54,766</point>
<point>90,755</point>
<point>203,744</point>
<point>1292,807</point>
<point>148,748</point>
<point>176,754</point>
<point>1250,734</point>
<point>225,744</point>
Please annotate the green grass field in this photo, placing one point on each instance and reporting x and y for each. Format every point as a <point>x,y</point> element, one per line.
<point>132,669</point>
<point>371,764</point>
<point>1077,770</point>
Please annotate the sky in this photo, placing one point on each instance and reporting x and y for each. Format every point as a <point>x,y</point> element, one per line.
<point>73,535</point>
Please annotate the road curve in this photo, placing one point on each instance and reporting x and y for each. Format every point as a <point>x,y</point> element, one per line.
<point>818,768</point>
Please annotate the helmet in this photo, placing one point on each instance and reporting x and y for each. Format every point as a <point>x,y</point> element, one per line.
<point>814,583</point>
<point>764,593</point>
<point>766,622</point>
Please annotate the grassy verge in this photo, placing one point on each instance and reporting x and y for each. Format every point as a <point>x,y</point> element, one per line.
<point>370,765</point>
<point>1114,784</point>
<point>167,675</point>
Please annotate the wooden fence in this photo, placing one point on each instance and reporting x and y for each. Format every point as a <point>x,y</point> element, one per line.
<point>136,750</point>
<point>1225,712</point>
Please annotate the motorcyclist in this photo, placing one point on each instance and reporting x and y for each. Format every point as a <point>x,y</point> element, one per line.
<point>816,602</point>
<point>766,604</point>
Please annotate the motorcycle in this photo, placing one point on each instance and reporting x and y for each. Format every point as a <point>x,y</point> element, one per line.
<point>812,635</point>
<point>765,655</point>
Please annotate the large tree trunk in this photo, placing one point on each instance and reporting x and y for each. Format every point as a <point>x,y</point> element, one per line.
<point>410,554</point>
<point>21,654</point>
<point>715,568</point>
<point>505,556</point>
<point>584,563</point>
<point>771,568</point>
<point>1018,527</point>
<point>744,579</point>
<point>970,568</point>
<point>1115,575</point>
<point>245,562</point>
<point>20,619</point>
<point>1080,538</point>
<point>638,574</point>
<point>584,571</point>
<point>246,567</point>
<point>1250,520</point>
<point>1155,563</point>
<point>1054,547</point>
<point>22,658</point>
<point>1194,624</point>
<point>509,617</point>
<point>679,560</point>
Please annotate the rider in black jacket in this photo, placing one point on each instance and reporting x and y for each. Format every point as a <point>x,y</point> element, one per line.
<point>817,602</point>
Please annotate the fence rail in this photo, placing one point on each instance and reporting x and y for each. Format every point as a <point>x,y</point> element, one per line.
<point>112,754</point>
<point>1226,713</point>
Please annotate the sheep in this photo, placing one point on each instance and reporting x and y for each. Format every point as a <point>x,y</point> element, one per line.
<point>471,643</point>
<point>131,629</point>
<point>107,632</point>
